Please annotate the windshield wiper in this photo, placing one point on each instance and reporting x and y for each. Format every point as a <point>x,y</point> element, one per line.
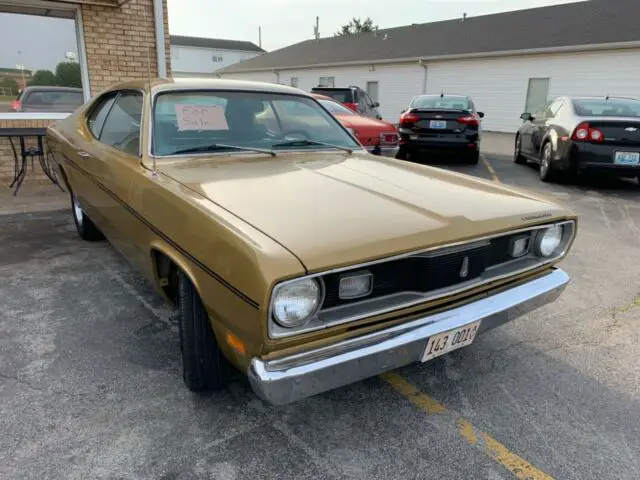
<point>217,146</point>
<point>302,143</point>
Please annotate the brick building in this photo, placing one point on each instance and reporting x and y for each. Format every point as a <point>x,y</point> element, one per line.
<point>112,40</point>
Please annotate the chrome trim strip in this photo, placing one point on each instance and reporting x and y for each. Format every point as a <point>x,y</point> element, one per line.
<point>284,380</point>
<point>386,304</point>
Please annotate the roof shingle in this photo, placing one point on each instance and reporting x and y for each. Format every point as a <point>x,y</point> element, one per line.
<point>218,43</point>
<point>591,22</point>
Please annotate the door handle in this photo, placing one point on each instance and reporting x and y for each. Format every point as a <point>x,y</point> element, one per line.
<point>84,154</point>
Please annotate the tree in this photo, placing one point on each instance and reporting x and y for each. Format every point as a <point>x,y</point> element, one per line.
<point>8,86</point>
<point>356,26</point>
<point>42,78</point>
<point>68,75</point>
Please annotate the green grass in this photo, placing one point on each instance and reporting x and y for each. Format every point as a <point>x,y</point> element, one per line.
<point>7,98</point>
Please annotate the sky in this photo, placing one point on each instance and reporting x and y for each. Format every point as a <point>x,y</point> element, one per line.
<point>285,22</point>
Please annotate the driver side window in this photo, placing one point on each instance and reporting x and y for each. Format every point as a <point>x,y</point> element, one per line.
<point>268,118</point>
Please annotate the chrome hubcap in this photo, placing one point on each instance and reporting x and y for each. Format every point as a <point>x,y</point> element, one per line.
<point>544,164</point>
<point>77,211</point>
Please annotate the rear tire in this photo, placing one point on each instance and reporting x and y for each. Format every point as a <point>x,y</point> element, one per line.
<point>547,172</point>
<point>204,367</point>
<point>402,154</point>
<point>84,226</point>
<point>517,155</point>
<point>472,158</point>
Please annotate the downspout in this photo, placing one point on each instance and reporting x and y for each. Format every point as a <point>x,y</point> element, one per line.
<point>161,54</point>
<point>424,81</point>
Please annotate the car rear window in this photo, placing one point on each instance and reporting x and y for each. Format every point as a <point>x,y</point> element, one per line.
<point>444,102</point>
<point>54,98</point>
<point>336,108</point>
<point>342,96</point>
<point>607,108</point>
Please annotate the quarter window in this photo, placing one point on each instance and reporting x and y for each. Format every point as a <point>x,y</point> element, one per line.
<point>122,127</point>
<point>99,114</point>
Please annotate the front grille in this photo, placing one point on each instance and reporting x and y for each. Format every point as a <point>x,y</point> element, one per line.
<point>424,273</point>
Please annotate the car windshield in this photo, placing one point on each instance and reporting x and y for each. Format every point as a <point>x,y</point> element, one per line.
<point>607,108</point>
<point>341,96</point>
<point>336,108</point>
<point>438,102</point>
<point>190,121</point>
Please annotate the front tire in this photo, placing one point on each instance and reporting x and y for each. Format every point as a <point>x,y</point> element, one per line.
<point>517,154</point>
<point>204,367</point>
<point>547,172</point>
<point>84,226</point>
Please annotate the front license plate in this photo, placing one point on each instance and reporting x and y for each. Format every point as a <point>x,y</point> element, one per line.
<point>446,342</point>
<point>438,124</point>
<point>627,158</point>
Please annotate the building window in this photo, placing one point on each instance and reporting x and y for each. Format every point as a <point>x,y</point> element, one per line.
<point>294,82</point>
<point>42,71</point>
<point>217,58</point>
<point>327,82</point>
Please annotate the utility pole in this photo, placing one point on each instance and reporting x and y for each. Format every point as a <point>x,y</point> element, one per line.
<point>260,37</point>
<point>316,29</point>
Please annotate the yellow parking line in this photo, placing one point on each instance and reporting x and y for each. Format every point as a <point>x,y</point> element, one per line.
<point>519,467</point>
<point>494,176</point>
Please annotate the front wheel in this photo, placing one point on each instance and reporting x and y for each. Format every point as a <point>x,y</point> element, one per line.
<point>84,226</point>
<point>547,172</point>
<point>204,367</point>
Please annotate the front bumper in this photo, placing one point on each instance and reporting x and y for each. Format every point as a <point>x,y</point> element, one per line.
<point>292,378</point>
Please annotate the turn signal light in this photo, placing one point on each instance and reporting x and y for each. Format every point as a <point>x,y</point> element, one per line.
<point>407,119</point>
<point>468,120</point>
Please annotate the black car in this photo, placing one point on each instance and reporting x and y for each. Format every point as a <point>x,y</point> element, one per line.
<point>570,135</point>
<point>352,97</point>
<point>440,123</point>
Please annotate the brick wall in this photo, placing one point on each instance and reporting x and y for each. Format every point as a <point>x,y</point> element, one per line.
<point>119,42</point>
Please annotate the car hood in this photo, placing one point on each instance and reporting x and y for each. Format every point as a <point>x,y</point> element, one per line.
<point>335,209</point>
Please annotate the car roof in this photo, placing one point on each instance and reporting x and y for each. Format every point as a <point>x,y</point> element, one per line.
<point>444,95</point>
<point>179,84</point>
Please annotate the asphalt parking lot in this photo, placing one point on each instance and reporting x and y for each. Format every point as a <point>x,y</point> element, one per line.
<point>90,383</point>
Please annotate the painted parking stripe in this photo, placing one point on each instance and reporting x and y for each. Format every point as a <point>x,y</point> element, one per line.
<point>519,467</point>
<point>494,176</point>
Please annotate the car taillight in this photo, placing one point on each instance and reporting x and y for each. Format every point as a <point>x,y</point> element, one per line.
<point>407,119</point>
<point>389,138</point>
<point>468,120</point>
<point>15,105</point>
<point>584,133</point>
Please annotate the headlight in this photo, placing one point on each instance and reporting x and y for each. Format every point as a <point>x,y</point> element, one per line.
<point>295,303</point>
<point>548,241</point>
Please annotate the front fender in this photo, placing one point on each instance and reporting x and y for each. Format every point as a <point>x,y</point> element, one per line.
<point>159,245</point>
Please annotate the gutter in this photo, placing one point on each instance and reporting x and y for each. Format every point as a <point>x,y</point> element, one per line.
<point>161,54</point>
<point>456,56</point>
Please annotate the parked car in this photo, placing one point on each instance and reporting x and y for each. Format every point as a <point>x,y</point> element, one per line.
<point>570,135</point>
<point>352,97</point>
<point>289,251</point>
<point>441,123</point>
<point>48,99</point>
<point>377,136</point>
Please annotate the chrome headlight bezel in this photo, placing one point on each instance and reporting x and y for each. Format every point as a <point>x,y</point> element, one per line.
<point>315,284</point>
<point>565,233</point>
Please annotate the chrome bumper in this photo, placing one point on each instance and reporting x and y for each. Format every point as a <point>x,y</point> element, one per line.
<point>384,151</point>
<point>298,376</point>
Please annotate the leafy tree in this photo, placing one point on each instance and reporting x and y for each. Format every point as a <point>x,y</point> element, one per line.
<point>9,85</point>
<point>68,75</point>
<point>42,78</point>
<point>356,26</point>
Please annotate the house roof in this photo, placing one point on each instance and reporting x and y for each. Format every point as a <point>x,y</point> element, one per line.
<point>587,23</point>
<point>217,43</point>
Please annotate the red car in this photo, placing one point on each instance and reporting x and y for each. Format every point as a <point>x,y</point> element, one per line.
<point>377,136</point>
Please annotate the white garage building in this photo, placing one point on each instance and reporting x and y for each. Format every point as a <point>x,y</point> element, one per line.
<point>508,63</point>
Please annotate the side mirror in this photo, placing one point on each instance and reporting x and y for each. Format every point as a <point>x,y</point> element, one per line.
<point>403,111</point>
<point>481,114</point>
<point>526,116</point>
<point>376,104</point>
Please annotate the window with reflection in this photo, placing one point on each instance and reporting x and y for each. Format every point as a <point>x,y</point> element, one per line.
<point>40,61</point>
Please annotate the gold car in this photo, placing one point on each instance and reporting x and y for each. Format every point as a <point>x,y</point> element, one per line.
<point>290,252</point>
